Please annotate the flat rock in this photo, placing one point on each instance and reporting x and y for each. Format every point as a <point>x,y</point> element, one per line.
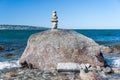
<point>68,67</point>
<point>46,49</point>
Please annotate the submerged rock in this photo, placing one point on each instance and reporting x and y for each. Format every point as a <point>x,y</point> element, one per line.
<point>46,49</point>
<point>2,48</point>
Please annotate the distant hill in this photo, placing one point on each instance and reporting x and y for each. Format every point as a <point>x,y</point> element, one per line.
<point>20,27</point>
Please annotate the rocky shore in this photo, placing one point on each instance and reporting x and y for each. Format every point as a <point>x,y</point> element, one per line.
<point>36,74</point>
<point>98,73</point>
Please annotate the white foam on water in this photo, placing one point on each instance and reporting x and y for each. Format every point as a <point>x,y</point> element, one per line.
<point>114,62</point>
<point>9,64</point>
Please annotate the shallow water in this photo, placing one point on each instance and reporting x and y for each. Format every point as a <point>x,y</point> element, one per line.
<point>14,42</point>
<point>113,59</point>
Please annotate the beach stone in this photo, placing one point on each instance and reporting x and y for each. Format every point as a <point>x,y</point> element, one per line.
<point>12,73</point>
<point>2,48</point>
<point>116,70</point>
<point>106,49</point>
<point>107,70</point>
<point>116,49</point>
<point>98,68</point>
<point>110,49</point>
<point>48,48</point>
<point>91,75</point>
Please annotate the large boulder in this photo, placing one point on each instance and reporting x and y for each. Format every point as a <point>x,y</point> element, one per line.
<point>46,49</point>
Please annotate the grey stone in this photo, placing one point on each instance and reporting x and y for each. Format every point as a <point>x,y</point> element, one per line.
<point>98,68</point>
<point>68,67</point>
<point>106,49</point>
<point>107,70</point>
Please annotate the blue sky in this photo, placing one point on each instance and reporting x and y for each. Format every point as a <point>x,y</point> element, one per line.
<point>82,14</point>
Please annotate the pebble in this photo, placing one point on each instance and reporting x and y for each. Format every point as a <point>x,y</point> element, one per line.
<point>107,70</point>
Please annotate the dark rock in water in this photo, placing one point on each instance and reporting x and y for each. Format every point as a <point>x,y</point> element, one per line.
<point>46,49</point>
<point>2,48</point>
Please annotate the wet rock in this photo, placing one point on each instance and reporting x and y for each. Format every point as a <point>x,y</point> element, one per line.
<point>107,70</point>
<point>46,49</point>
<point>68,67</point>
<point>91,75</point>
<point>106,49</point>
<point>116,48</point>
<point>12,73</point>
<point>2,48</point>
<point>116,70</point>
<point>110,49</point>
<point>98,68</point>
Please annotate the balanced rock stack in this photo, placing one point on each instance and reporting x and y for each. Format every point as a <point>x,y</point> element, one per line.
<point>50,49</point>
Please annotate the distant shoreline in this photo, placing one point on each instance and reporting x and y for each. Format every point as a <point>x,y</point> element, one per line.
<point>20,27</point>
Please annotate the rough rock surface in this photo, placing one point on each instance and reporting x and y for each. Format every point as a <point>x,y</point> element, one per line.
<point>46,49</point>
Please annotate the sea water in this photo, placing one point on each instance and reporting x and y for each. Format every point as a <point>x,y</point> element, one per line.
<point>14,42</point>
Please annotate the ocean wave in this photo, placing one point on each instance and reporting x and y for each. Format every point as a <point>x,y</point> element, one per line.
<point>116,63</point>
<point>9,64</point>
<point>113,62</point>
